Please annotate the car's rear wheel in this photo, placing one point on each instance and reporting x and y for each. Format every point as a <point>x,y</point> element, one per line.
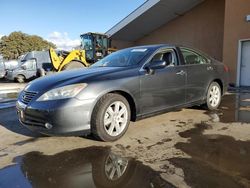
<point>41,72</point>
<point>213,96</point>
<point>110,118</point>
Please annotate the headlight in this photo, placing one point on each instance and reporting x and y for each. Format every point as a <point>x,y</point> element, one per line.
<point>62,92</point>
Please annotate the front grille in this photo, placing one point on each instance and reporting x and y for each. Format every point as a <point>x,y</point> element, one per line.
<point>27,96</point>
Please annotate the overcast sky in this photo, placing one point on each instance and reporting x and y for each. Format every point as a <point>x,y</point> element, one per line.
<point>62,21</point>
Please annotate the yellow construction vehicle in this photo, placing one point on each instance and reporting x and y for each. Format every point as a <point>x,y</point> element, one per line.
<point>94,46</point>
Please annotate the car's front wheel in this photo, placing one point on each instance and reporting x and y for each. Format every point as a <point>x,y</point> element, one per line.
<point>110,117</point>
<point>213,96</point>
<point>20,78</point>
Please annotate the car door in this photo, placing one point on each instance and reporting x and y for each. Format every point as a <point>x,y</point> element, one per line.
<point>199,73</point>
<point>31,68</point>
<point>163,88</point>
<point>2,69</point>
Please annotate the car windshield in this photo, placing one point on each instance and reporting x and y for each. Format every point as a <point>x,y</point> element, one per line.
<point>123,58</point>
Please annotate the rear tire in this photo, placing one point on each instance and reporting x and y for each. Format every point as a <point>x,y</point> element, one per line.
<point>41,72</point>
<point>213,96</point>
<point>110,117</point>
<point>20,79</point>
<point>73,65</point>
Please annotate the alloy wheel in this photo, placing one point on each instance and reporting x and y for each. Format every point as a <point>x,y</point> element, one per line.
<point>214,96</point>
<point>115,118</point>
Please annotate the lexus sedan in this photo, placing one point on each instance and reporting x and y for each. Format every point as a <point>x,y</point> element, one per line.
<point>125,86</point>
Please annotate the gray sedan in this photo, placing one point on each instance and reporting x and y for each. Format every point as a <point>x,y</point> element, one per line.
<point>125,86</point>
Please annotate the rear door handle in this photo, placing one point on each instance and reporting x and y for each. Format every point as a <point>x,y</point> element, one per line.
<point>181,73</point>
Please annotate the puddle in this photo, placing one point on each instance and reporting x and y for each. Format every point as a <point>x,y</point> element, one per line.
<point>216,160</point>
<point>87,167</point>
<point>234,108</point>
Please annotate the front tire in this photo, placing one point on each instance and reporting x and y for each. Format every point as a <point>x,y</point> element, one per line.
<point>20,79</point>
<point>41,72</point>
<point>110,117</point>
<point>213,96</point>
<point>73,65</point>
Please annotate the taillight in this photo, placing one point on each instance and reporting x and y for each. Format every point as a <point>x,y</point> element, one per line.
<point>226,69</point>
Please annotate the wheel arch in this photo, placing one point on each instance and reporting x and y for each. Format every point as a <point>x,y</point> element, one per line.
<point>127,96</point>
<point>130,100</point>
<point>219,81</point>
<point>20,75</point>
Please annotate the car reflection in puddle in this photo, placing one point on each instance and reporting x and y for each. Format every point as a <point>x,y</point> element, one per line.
<point>234,108</point>
<point>88,167</point>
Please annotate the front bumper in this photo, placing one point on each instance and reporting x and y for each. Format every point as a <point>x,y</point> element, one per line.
<point>67,116</point>
<point>2,75</point>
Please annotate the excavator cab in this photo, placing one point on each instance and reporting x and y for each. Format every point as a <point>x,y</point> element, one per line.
<point>96,46</point>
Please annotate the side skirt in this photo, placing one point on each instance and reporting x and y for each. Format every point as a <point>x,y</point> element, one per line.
<point>170,109</point>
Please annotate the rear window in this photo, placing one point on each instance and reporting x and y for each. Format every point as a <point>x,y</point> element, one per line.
<point>193,58</point>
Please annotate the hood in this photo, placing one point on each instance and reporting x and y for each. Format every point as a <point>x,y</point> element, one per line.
<point>69,77</point>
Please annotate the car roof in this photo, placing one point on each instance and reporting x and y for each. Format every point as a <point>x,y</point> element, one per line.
<point>154,46</point>
<point>158,46</point>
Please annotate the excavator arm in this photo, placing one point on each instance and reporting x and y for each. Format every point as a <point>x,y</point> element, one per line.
<point>55,59</point>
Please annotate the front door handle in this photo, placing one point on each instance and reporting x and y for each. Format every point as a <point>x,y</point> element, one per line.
<point>210,68</point>
<point>181,73</point>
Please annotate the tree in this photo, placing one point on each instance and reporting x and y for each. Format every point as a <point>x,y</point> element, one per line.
<point>18,43</point>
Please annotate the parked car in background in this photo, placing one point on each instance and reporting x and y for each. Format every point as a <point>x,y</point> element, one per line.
<point>2,69</point>
<point>126,85</point>
<point>5,66</point>
<point>31,65</point>
<point>11,64</point>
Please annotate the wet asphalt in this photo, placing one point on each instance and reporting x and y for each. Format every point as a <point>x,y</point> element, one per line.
<point>215,160</point>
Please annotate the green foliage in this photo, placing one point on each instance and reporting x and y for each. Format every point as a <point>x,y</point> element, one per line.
<point>18,43</point>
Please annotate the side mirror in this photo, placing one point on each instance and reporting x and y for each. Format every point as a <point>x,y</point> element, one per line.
<point>157,64</point>
<point>24,67</point>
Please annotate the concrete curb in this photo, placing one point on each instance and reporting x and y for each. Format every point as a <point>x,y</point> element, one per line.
<point>5,99</point>
<point>17,90</point>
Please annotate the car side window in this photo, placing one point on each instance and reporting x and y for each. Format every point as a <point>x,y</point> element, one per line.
<point>192,58</point>
<point>168,56</point>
